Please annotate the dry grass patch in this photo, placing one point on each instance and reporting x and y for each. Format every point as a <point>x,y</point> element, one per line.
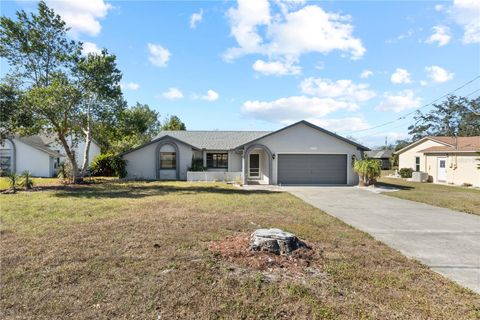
<point>141,250</point>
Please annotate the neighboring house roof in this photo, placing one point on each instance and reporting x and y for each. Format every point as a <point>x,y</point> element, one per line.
<point>379,154</point>
<point>359,146</point>
<point>440,140</point>
<point>39,143</point>
<point>214,140</point>
<point>458,144</point>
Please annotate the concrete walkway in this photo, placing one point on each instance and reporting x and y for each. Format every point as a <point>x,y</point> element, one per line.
<point>447,241</point>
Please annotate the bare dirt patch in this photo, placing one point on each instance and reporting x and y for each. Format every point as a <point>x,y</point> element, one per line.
<point>235,249</point>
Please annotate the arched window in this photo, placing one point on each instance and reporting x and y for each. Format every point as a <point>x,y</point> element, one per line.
<point>168,158</point>
<point>6,157</point>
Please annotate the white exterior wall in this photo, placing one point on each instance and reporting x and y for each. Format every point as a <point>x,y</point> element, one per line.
<point>304,139</point>
<point>461,168</point>
<point>79,149</point>
<point>234,161</point>
<point>33,160</point>
<point>406,159</point>
<point>141,163</point>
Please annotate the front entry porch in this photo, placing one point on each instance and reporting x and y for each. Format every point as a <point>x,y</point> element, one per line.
<point>257,165</point>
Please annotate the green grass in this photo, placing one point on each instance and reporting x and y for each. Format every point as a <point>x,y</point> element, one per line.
<point>452,197</point>
<point>140,250</point>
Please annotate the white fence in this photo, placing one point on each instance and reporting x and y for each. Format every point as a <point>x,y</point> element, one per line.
<point>214,176</point>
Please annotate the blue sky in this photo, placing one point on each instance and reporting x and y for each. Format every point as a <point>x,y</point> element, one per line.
<point>227,65</point>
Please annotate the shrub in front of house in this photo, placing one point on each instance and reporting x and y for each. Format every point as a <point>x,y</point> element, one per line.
<point>405,172</point>
<point>108,165</point>
<point>197,165</point>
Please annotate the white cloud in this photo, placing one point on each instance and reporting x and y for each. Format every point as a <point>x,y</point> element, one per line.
<point>438,74</point>
<point>320,97</point>
<point>289,109</point>
<point>210,96</point>
<point>158,55</point>
<point>341,89</point>
<point>423,83</point>
<point>196,18</point>
<point>441,35</point>
<point>366,73</point>
<point>439,7</point>
<point>276,68</point>
<point>341,124</point>
<point>289,34</point>
<point>82,16</point>
<point>130,86</point>
<point>467,14</point>
<point>173,94</point>
<point>401,76</point>
<point>244,21</point>
<point>90,47</point>
<point>398,102</point>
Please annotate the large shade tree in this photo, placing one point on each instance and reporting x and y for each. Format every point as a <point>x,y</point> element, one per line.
<point>173,123</point>
<point>134,126</point>
<point>63,92</point>
<point>41,57</point>
<point>456,116</point>
<point>99,83</point>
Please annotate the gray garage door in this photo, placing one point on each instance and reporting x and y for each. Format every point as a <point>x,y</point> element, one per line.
<point>312,169</point>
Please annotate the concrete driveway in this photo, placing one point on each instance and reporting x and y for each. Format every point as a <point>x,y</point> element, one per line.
<point>446,240</point>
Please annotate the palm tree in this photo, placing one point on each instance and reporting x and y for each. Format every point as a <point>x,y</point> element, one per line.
<point>13,181</point>
<point>368,170</point>
<point>27,181</point>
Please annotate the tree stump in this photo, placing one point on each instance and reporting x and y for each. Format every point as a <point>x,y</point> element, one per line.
<point>275,241</point>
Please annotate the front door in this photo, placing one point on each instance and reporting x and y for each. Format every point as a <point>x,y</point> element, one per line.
<point>442,169</point>
<point>254,171</point>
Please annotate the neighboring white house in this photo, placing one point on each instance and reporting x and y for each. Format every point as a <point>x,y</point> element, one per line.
<point>451,160</point>
<point>39,154</point>
<point>301,153</point>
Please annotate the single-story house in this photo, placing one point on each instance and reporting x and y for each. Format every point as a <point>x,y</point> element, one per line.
<point>382,155</point>
<point>40,154</point>
<point>451,160</point>
<point>301,153</point>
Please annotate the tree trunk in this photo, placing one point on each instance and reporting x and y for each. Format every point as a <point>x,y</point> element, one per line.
<point>88,141</point>
<point>71,156</point>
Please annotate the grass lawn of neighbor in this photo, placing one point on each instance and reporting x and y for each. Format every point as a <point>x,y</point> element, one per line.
<point>149,250</point>
<point>4,183</point>
<point>440,195</point>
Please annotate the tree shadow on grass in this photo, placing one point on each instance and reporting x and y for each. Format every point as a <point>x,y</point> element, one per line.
<point>113,190</point>
<point>392,185</point>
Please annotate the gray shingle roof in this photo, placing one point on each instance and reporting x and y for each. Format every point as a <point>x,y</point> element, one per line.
<point>39,142</point>
<point>379,154</point>
<point>214,140</point>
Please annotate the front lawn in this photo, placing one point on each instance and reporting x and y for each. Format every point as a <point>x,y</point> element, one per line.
<point>5,184</point>
<point>140,250</point>
<point>452,197</point>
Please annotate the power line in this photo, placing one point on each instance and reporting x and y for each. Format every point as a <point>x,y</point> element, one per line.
<point>403,123</point>
<point>412,112</point>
